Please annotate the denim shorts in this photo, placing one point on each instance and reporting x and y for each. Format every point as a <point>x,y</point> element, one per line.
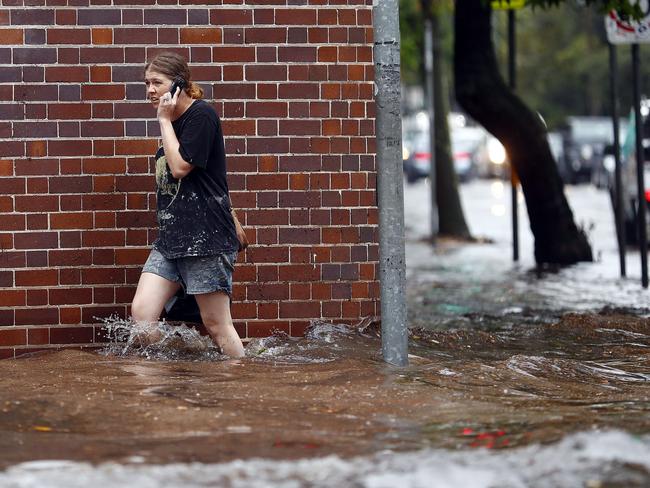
<point>197,275</point>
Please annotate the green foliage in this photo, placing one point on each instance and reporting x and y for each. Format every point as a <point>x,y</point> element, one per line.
<point>563,62</point>
<point>624,7</point>
<point>412,19</point>
<point>411,41</point>
<point>562,55</point>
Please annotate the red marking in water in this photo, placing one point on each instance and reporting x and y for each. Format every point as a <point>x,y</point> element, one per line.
<point>468,431</point>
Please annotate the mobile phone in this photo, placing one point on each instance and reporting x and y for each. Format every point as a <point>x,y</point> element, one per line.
<point>177,83</point>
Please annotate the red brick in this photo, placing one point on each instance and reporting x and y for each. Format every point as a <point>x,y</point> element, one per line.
<point>12,222</point>
<point>41,277</point>
<point>226,54</point>
<point>102,92</point>
<point>13,337</point>
<point>266,109</point>
<point>6,204</point>
<point>128,256</point>
<point>226,16</point>
<point>37,316</point>
<point>263,72</point>
<point>11,36</point>
<point>102,36</point>
<point>327,54</point>
<point>267,291</point>
<point>36,240</point>
<point>70,296</point>
<point>268,35</point>
<point>69,111</point>
<point>38,336</point>
<point>103,238</point>
<point>71,335</point>
<point>77,220</point>
<point>75,257</point>
<point>36,297</point>
<point>201,35</point>
<point>244,310</point>
<point>68,36</point>
<point>102,276</point>
<point>100,74</point>
<point>300,309</point>
<point>12,298</point>
<point>70,315</point>
<point>70,147</point>
<point>327,17</point>
<point>136,146</point>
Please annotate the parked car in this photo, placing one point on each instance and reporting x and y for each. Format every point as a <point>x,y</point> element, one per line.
<point>491,158</point>
<point>630,194</point>
<point>464,143</point>
<point>584,139</point>
<point>416,147</point>
<point>417,159</point>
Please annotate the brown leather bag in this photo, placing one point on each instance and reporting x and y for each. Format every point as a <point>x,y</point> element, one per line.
<point>241,235</point>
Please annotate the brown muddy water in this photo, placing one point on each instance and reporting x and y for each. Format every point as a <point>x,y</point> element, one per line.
<point>575,393</point>
<point>516,379</point>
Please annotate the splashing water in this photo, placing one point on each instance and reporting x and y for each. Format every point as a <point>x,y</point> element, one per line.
<point>162,341</point>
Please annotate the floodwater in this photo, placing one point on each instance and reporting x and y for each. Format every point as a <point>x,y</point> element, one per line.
<point>515,380</point>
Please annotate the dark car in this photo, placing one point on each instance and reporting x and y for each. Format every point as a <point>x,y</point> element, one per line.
<point>585,139</point>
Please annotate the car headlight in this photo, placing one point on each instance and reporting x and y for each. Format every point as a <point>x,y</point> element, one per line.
<point>405,153</point>
<point>496,152</point>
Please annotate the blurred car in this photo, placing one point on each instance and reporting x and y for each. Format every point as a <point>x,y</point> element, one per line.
<point>602,175</point>
<point>630,194</point>
<point>585,139</point>
<point>491,158</point>
<point>464,143</point>
<point>416,147</point>
<point>417,159</point>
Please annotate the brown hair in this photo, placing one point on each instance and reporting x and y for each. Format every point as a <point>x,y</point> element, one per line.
<point>172,65</point>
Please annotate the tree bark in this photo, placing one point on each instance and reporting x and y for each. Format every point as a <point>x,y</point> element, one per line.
<point>481,91</point>
<point>451,219</point>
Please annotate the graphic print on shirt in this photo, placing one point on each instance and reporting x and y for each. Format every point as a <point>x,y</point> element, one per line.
<point>166,184</point>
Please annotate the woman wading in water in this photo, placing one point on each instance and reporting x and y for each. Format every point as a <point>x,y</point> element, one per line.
<point>197,242</point>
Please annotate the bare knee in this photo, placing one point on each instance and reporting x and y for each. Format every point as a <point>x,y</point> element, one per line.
<point>141,311</point>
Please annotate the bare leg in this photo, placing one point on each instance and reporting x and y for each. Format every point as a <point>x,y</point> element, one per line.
<point>215,313</point>
<point>150,297</point>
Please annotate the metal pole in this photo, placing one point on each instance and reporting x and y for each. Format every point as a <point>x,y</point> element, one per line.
<point>618,195</point>
<point>392,261</point>
<point>640,162</point>
<point>513,176</point>
<point>428,68</point>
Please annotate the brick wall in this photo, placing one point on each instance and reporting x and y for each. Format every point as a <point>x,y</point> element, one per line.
<point>292,81</point>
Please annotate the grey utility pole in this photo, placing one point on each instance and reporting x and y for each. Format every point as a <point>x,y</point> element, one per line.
<point>390,190</point>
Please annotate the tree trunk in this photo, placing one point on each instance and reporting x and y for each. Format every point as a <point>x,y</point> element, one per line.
<point>481,91</point>
<point>451,219</point>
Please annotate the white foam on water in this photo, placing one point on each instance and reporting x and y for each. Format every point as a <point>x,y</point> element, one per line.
<point>583,459</point>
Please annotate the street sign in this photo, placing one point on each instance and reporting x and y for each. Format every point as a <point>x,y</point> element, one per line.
<point>507,4</point>
<point>623,30</point>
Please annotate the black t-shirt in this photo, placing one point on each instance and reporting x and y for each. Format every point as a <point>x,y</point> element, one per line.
<point>194,212</point>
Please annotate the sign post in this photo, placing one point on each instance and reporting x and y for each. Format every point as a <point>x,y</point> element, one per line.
<point>622,30</point>
<point>511,6</point>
